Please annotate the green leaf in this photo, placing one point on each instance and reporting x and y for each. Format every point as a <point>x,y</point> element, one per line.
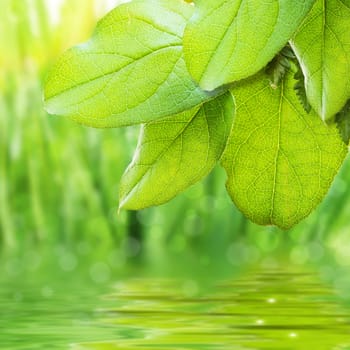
<point>322,45</point>
<point>342,120</point>
<point>176,152</point>
<point>131,71</point>
<point>280,160</point>
<point>228,40</point>
<point>300,90</point>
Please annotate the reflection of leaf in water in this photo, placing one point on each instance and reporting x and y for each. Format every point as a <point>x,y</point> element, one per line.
<point>238,313</point>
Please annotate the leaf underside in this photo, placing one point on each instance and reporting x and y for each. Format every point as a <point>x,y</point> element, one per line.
<point>176,152</point>
<point>131,71</point>
<point>322,45</point>
<point>226,41</point>
<point>280,160</point>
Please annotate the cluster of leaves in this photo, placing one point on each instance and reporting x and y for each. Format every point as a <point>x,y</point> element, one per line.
<point>258,86</point>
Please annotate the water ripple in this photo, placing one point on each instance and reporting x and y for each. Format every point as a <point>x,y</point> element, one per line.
<point>262,310</point>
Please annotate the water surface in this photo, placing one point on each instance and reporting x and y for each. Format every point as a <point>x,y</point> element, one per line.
<point>258,308</point>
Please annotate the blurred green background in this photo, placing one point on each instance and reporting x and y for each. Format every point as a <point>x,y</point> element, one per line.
<point>63,243</point>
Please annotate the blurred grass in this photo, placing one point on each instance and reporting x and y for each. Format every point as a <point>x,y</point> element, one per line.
<point>59,181</point>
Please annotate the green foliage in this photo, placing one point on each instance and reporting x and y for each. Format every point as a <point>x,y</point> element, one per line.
<point>279,163</point>
<point>226,41</point>
<point>176,152</point>
<point>167,64</point>
<point>322,45</point>
<point>123,74</point>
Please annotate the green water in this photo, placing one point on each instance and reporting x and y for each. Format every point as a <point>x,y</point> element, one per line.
<point>70,304</point>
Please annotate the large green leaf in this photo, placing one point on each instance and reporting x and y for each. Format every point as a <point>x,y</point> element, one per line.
<point>228,40</point>
<point>175,152</point>
<point>280,160</point>
<point>131,71</point>
<point>322,45</point>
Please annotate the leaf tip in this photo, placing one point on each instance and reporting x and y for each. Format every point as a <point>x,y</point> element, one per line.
<point>123,204</point>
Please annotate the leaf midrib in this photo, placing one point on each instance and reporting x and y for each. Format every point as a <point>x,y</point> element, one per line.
<point>150,166</point>
<point>323,56</point>
<point>273,195</point>
<point>111,73</point>
<point>220,42</point>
